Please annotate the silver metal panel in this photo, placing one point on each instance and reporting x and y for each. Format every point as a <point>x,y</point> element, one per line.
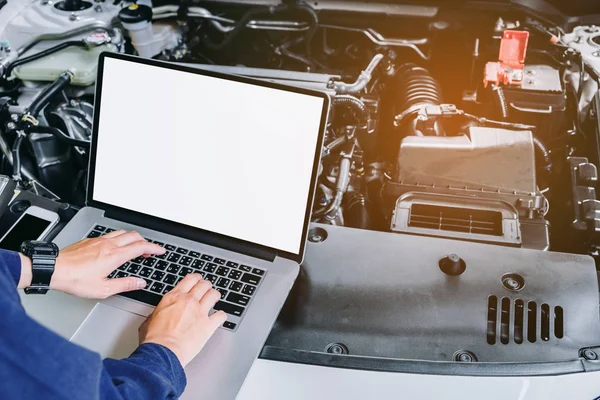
<point>220,369</point>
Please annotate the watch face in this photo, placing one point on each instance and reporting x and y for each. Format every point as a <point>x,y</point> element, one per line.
<point>35,248</point>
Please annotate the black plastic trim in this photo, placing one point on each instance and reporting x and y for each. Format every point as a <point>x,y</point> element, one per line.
<point>428,367</point>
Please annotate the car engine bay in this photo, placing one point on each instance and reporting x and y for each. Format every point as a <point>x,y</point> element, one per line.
<point>471,123</point>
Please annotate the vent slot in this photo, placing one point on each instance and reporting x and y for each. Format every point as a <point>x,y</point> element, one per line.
<point>531,321</point>
<point>520,318</point>
<point>491,319</point>
<point>456,219</point>
<point>519,313</point>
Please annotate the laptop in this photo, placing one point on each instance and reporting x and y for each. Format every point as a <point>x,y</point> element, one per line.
<point>220,170</point>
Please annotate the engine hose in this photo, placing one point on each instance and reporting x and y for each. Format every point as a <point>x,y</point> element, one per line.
<point>543,150</point>
<point>363,79</point>
<point>415,88</point>
<point>359,108</point>
<point>43,53</point>
<point>44,97</point>
<point>60,135</point>
<point>356,213</point>
<point>341,187</point>
<point>16,156</point>
<point>501,101</point>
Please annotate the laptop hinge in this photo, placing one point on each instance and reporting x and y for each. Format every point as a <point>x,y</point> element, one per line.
<point>194,234</point>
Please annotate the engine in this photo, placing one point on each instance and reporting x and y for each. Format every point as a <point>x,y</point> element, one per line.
<point>485,132</point>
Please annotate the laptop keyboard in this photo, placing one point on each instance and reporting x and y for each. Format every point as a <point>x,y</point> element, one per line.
<point>236,282</point>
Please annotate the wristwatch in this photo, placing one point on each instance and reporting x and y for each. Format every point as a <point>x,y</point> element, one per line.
<point>43,258</point>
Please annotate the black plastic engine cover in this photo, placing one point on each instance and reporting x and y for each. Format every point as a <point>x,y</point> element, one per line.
<point>384,295</point>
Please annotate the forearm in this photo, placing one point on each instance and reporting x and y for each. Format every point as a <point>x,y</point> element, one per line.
<point>25,279</point>
<point>58,277</point>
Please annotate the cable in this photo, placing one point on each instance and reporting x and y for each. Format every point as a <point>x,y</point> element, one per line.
<point>43,53</point>
<point>501,100</point>
<point>16,156</point>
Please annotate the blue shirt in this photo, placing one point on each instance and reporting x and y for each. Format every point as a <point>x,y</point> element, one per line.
<point>36,363</point>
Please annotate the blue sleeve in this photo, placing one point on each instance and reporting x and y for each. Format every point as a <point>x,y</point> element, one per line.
<point>37,363</point>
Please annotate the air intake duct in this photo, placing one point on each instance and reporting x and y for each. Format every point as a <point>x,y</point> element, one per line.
<point>415,89</point>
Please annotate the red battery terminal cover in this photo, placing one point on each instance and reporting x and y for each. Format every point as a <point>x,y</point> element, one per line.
<point>511,60</point>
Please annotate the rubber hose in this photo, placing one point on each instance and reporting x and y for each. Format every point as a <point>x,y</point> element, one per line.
<point>501,101</point>
<point>355,104</point>
<point>415,87</point>
<point>60,135</point>
<point>356,214</point>
<point>543,150</point>
<point>46,95</point>
<point>16,155</point>
<point>44,53</point>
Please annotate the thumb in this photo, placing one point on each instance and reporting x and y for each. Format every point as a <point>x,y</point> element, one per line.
<point>119,285</point>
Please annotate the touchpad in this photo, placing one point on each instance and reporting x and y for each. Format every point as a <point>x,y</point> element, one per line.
<point>110,331</point>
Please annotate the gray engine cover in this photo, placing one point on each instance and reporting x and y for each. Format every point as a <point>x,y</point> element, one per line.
<point>384,295</point>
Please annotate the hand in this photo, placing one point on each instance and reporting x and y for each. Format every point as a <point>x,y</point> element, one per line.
<point>82,268</point>
<point>180,322</point>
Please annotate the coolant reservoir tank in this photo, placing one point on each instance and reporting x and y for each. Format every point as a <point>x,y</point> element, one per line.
<point>82,62</point>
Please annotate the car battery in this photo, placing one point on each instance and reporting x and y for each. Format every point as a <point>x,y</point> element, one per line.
<point>533,94</point>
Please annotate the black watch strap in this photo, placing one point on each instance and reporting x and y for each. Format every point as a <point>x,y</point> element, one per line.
<point>43,259</point>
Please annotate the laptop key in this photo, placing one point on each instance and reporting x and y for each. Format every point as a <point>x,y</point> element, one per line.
<point>173,268</point>
<point>148,283</point>
<point>109,230</point>
<point>223,292</point>
<point>222,271</point>
<point>149,262</point>
<point>245,268</point>
<point>157,287</point>
<point>161,244</point>
<point>112,274</point>
<point>223,282</point>
<point>133,268</point>
<point>219,261</point>
<point>139,260</point>
<point>198,264</point>
<point>238,299</point>
<point>162,256</point>
<point>170,279</point>
<point>229,308</point>
<point>100,228</point>
<point>158,275</point>
<point>161,265</point>
<point>206,257</point>
<point>185,261</point>
<point>237,286</point>
<point>144,296</point>
<point>257,271</point>
<point>148,240</point>
<point>235,274</point>
<point>249,278</point>
<point>181,250</point>
<point>123,267</point>
<point>179,278</point>
<point>210,267</point>
<point>232,264</point>
<point>248,290</point>
<point>94,234</point>
<point>121,274</point>
<point>211,278</point>
<point>174,257</point>
<point>194,254</point>
<point>167,289</point>
<point>170,247</point>
<point>185,270</point>
<point>146,272</point>
<point>229,325</point>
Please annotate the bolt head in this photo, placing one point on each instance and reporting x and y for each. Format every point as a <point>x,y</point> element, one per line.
<point>11,126</point>
<point>590,354</point>
<point>14,117</point>
<point>74,17</point>
<point>453,257</point>
<point>596,54</point>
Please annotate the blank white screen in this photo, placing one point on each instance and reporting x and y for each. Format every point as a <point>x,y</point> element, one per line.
<point>228,157</point>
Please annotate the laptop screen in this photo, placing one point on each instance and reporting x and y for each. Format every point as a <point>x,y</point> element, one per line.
<point>230,157</point>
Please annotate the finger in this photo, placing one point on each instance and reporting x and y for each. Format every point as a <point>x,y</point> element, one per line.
<point>209,300</point>
<point>127,238</point>
<point>187,283</point>
<point>217,319</point>
<point>136,249</point>
<point>200,289</point>
<point>114,233</point>
<point>120,285</point>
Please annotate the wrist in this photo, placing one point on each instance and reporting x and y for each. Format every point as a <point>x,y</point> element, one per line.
<point>60,278</point>
<point>169,343</point>
<point>26,275</point>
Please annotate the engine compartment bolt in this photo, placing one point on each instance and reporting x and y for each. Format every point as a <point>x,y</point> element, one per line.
<point>11,125</point>
<point>98,8</point>
<point>14,117</point>
<point>596,54</point>
<point>464,356</point>
<point>590,354</point>
<point>74,17</point>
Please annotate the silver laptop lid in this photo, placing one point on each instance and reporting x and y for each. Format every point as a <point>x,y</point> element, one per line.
<point>232,160</point>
